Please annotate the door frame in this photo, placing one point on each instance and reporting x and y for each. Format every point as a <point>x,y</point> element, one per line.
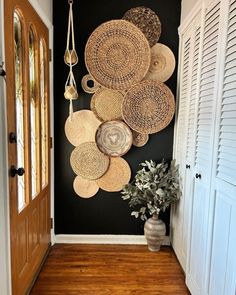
<point>5,250</point>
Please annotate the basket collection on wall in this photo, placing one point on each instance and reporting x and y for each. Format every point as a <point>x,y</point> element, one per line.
<point>127,69</point>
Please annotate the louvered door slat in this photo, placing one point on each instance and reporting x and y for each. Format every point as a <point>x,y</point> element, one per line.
<point>225,155</point>
<point>182,112</point>
<point>228,135</point>
<point>226,162</point>
<point>229,70</point>
<point>228,114</point>
<point>207,86</point>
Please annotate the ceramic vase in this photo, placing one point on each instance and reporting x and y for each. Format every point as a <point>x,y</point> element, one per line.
<point>154,230</point>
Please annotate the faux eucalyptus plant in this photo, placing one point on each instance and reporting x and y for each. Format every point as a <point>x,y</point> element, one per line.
<point>153,189</point>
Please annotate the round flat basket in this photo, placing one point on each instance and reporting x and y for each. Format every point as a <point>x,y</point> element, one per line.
<point>81,127</point>
<point>162,63</point>
<point>116,177</point>
<point>114,138</point>
<point>106,104</point>
<point>147,21</point>
<point>117,55</point>
<point>89,85</point>
<point>87,161</point>
<point>139,139</point>
<point>148,107</point>
<point>85,188</point>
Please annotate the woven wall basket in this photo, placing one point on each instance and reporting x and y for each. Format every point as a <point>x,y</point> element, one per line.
<point>139,139</point>
<point>162,63</point>
<point>148,107</point>
<point>85,84</point>
<point>87,161</point>
<point>81,127</point>
<point>85,188</point>
<point>116,177</point>
<point>114,138</point>
<point>147,21</point>
<point>106,104</point>
<point>117,55</point>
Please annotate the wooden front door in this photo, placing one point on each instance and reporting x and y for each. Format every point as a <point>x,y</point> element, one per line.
<point>27,68</point>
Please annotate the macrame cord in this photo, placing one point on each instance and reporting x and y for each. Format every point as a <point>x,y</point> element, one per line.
<point>71,59</point>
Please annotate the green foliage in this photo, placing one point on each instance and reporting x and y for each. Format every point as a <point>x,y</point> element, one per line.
<point>153,189</point>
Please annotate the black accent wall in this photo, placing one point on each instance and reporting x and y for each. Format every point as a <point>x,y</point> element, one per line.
<point>106,213</point>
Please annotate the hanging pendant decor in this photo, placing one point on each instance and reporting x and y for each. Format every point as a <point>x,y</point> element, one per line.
<point>71,59</point>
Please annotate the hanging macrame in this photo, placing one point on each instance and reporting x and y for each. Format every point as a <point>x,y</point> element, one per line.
<point>71,59</point>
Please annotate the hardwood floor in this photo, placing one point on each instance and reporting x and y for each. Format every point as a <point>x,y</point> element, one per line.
<point>110,269</point>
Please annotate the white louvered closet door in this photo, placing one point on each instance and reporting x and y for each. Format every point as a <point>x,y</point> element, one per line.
<point>223,260</point>
<point>178,209</point>
<point>197,273</point>
<point>190,137</point>
<point>185,139</point>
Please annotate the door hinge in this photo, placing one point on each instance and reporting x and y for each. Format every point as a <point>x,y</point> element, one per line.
<point>51,143</point>
<point>50,54</point>
<point>51,223</point>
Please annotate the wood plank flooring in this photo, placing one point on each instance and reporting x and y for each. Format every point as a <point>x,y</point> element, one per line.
<point>108,270</point>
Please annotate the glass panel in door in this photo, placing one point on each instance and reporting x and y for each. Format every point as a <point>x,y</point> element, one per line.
<point>44,115</point>
<point>34,138</point>
<point>19,101</point>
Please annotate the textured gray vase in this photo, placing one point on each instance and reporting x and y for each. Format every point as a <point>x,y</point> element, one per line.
<point>154,230</point>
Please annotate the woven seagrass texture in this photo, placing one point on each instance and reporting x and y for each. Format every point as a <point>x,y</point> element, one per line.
<point>148,107</point>
<point>106,104</point>
<point>86,87</point>
<point>87,161</point>
<point>162,63</point>
<point>147,21</point>
<point>139,139</point>
<point>117,54</point>
<point>81,127</point>
<point>114,138</point>
<point>85,188</point>
<point>117,175</point>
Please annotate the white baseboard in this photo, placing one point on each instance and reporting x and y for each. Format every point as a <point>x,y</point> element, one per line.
<point>105,239</point>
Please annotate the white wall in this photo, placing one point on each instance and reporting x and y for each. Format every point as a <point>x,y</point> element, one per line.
<point>4,243</point>
<point>46,6</point>
<point>187,6</point>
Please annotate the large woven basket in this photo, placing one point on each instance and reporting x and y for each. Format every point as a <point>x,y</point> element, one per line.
<point>88,162</point>
<point>162,63</point>
<point>114,138</point>
<point>147,21</point>
<point>148,107</point>
<point>117,54</point>
<point>81,127</point>
<point>85,188</point>
<point>106,104</point>
<point>116,177</point>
